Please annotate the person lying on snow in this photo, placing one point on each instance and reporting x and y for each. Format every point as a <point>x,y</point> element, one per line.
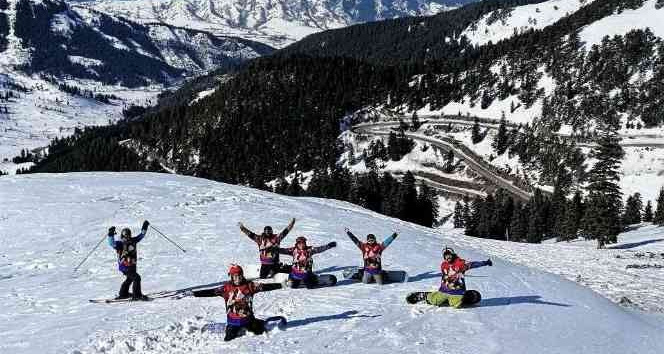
<point>128,259</point>
<point>238,293</point>
<point>268,248</point>
<point>371,253</point>
<point>301,271</point>
<point>453,284</point>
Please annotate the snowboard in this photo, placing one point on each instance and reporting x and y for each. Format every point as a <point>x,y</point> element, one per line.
<point>110,301</point>
<point>470,298</point>
<point>389,276</point>
<point>271,323</point>
<point>324,280</point>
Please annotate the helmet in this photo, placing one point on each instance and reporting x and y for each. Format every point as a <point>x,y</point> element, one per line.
<point>267,230</point>
<point>371,237</point>
<point>125,233</point>
<point>449,251</point>
<point>301,239</point>
<point>235,270</point>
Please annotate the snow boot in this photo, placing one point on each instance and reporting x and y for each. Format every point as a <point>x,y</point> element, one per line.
<point>416,297</point>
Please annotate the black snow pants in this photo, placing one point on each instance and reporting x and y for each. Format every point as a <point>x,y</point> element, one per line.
<point>254,326</point>
<point>132,277</point>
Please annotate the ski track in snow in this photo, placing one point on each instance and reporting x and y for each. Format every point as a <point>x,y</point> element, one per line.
<point>49,222</point>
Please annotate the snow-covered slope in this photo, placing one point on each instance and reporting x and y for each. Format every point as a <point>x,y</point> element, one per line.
<point>48,223</point>
<point>276,22</point>
<point>502,24</point>
<point>648,15</point>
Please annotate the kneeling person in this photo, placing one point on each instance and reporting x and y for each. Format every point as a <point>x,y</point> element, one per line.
<point>238,293</point>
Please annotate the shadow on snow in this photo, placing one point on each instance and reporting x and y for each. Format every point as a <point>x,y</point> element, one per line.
<point>340,316</point>
<point>513,300</point>
<point>634,244</point>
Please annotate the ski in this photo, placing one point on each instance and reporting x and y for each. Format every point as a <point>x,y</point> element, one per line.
<point>110,301</point>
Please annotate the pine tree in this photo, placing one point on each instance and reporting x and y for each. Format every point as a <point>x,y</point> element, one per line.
<point>537,211</point>
<point>281,186</point>
<point>449,162</point>
<point>658,218</point>
<point>604,202</point>
<point>501,140</point>
<point>518,229</point>
<point>486,214</point>
<point>392,149</point>
<point>458,215</point>
<point>473,220</point>
<point>407,199</point>
<point>633,208</point>
<point>573,215</point>
<point>476,132</point>
<point>415,122</point>
<point>388,189</point>
<point>647,213</point>
<point>465,212</point>
<point>427,206</point>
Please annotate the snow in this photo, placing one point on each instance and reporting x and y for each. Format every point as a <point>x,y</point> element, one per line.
<point>642,171</point>
<point>44,112</point>
<point>520,20</point>
<point>87,62</point>
<point>49,222</point>
<point>63,24</point>
<point>646,16</point>
<point>614,272</point>
<point>201,95</point>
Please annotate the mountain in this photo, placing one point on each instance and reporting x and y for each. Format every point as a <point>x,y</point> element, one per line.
<point>66,67</point>
<point>51,37</point>
<point>524,310</point>
<point>275,22</point>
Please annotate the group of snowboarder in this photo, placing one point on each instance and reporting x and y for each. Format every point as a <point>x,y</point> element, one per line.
<point>238,291</point>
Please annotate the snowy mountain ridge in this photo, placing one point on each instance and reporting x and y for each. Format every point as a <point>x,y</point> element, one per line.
<point>524,310</point>
<point>50,44</point>
<point>275,22</point>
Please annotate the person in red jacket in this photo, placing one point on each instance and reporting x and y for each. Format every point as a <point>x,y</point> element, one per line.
<point>453,284</point>
<point>302,267</point>
<point>371,253</point>
<point>268,248</point>
<point>238,293</point>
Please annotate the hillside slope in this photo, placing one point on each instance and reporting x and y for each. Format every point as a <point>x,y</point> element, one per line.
<point>64,215</point>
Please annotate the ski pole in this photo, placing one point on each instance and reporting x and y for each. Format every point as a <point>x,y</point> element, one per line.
<point>169,240</point>
<point>89,254</point>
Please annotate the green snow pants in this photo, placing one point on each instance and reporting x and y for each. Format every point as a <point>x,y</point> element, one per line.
<point>438,298</point>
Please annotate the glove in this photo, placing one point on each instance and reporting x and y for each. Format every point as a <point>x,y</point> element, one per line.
<point>111,231</point>
<point>145,225</point>
<point>332,244</point>
<point>489,263</point>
